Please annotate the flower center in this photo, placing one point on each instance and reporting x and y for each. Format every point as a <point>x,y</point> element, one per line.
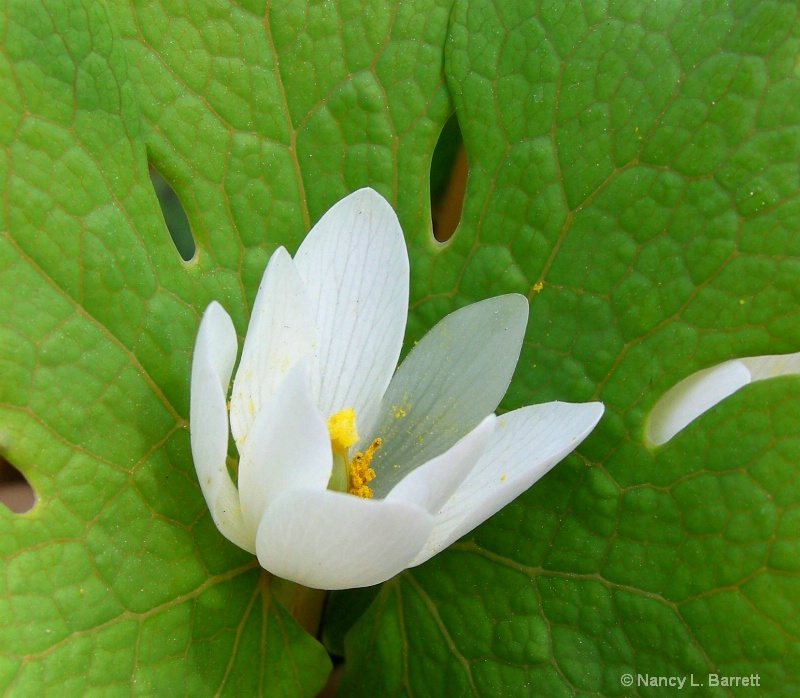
<point>349,474</point>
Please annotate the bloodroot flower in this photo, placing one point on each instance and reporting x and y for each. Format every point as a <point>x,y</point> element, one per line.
<point>350,471</point>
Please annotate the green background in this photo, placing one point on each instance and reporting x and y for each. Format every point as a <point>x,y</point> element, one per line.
<point>639,159</point>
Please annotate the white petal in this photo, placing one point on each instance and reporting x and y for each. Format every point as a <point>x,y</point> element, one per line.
<point>288,447</point>
<point>687,400</point>
<point>698,393</point>
<point>763,367</point>
<point>355,266</point>
<point>212,363</point>
<point>331,540</point>
<point>525,445</point>
<point>280,333</point>
<point>433,483</point>
<point>451,380</point>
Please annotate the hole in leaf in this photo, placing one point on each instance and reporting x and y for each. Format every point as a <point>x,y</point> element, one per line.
<point>448,180</point>
<point>696,394</point>
<point>15,492</point>
<point>692,397</point>
<point>174,216</point>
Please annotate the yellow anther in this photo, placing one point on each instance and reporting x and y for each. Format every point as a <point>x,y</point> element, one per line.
<point>350,475</point>
<point>361,473</point>
<point>342,428</point>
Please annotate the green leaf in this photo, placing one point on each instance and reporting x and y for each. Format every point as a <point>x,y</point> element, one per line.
<point>116,581</point>
<point>259,118</point>
<point>638,159</point>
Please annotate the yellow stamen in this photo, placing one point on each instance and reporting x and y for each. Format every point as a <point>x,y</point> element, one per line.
<point>342,428</point>
<point>361,473</point>
<point>356,472</point>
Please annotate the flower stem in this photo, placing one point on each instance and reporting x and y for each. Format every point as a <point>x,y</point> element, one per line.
<point>304,603</point>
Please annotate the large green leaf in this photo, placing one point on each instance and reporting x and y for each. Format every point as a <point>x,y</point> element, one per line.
<point>639,159</point>
<point>117,580</point>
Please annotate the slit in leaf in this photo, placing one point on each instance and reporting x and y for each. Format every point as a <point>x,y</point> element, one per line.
<point>15,491</point>
<point>174,216</point>
<point>698,393</point>
<point>448,180</point>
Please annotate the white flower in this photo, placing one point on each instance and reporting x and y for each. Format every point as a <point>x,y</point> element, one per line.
<point>317,407</point>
